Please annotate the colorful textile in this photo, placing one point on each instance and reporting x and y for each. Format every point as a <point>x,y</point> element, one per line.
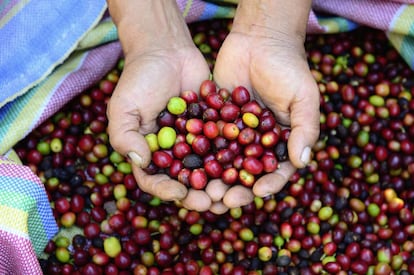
<point>53,50</point>
<point>26,220</point>
<point>395,18</point>
<point>40,34</point>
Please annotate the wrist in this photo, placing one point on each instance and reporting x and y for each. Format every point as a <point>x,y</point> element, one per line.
<point>275,19</point>
<point>148,24</point>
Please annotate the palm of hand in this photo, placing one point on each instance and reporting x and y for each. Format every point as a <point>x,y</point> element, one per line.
<point>149,80</point>
<point>277,76</point>
<point>146,84</point>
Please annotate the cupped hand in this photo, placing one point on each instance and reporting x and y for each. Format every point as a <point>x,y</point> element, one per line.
<point>149,79</point>
<point>146,84</point>
<point>161,60</point>
<point>276,72</point>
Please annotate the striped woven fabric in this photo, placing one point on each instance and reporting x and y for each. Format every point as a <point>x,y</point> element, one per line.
<point>53,50</point>
<point>26,220</point>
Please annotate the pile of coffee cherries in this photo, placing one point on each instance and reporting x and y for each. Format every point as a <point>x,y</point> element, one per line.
<point>349,212</point>
<point>216,134</point>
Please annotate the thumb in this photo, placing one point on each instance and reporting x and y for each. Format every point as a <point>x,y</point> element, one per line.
<point>304,127</point>
<point>123,130</point>
<point>160,185</point>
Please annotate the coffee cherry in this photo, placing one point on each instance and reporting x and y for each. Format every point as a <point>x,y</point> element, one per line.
<point>166,137</point>
<point>207,87</point>
<point>230,175</point>
<point>250,119</point>
<point>198,179</point>
<point>210,130</point>
<point>253,165</point>
<point>213,169</point>
<point>189,96</point>
<point>176,105</point>
<point>240,96</point>
<point>162,159</point>
<point>230,131</point>
<point>152,141</point>
<point>229,112</point>
<point>200,145</point>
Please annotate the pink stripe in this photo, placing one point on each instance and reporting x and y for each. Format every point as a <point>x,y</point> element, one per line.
<point>8,7</point>
<point>313,24</point>
<point>17,255</point>
<point>19,171</point>
<point>97,63</point>
<point>196,9</point>
<point>181,4</point>
<point>195,12</point>
<point>377,14</point>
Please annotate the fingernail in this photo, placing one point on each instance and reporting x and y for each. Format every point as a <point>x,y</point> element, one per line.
<point>136,159</point>
<point>305,157</point>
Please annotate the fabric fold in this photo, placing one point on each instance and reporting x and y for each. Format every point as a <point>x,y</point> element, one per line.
<point>38,37</point>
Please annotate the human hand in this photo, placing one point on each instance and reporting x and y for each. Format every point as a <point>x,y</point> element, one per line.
<point>265,53</point>
<point>161,60</point>
<point>133,110</point>
<point>277,74</point>
<point>147,82</point>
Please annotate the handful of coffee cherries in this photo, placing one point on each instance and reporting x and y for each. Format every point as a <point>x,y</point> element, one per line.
<point>216,134</point>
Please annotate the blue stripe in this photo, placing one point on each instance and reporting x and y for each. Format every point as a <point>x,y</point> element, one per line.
<point>3,113</point>
<point>352,25</point>
<point>209,12</point>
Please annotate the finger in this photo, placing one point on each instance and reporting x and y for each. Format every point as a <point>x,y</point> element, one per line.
<point>216,189</point>
<point>123,126</point>
<point>159,185</point>
<point>274,182</point>
<point>237,196</point>
<point>197,200</point>
<point>305,127</point>
<point>218,208</point>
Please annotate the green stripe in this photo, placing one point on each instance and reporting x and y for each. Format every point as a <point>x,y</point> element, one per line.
<point>224,12</point>
<point>407,41</point>
<point>187,7</point>
<point>407,50</point>
<point>103,33</point>
<point>334,24</point>
<point>403,21</point>
<point>401,34</point>
<point>12,12</point>
<point>28,204</point>
<point>111,35</point>
<point>16,200</point>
